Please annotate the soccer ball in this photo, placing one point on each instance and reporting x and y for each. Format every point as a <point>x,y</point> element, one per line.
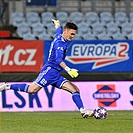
<point>100,113</point>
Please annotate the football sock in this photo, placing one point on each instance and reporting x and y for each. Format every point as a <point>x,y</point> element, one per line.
<point>77,99</point>
<point>19,87</point>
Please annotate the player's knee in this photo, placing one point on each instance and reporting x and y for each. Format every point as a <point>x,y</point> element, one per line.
<point>77,90</point>
<point>32,90</point>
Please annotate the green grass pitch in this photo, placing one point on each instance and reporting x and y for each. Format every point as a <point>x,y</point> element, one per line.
<point>65,122</point>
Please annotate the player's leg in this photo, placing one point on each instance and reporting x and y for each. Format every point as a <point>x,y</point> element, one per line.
<point>32,88</point>
<point>20,87</point>
<point>72,88</point>
<point>46,77</point>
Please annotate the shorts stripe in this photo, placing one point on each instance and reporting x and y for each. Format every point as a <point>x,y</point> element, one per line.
<point>37,84</point>
<point>63,83</point>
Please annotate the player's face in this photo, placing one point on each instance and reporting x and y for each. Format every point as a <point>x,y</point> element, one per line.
<point>69,34</point>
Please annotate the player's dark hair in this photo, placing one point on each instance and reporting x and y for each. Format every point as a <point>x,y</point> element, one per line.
<point>71,25</point>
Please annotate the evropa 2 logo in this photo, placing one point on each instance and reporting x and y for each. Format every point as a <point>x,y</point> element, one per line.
<point>101,54</point>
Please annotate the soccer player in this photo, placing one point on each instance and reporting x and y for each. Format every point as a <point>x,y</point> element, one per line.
<point>50,72</point>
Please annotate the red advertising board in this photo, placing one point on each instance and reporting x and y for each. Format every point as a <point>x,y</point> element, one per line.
<point>21,56</point>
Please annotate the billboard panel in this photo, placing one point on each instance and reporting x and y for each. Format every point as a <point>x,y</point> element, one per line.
<point>99,55</point>
<point>112,95</point>
<point>21,56</point>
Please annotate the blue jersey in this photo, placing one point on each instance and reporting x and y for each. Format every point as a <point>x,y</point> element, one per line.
<point>49,74</point>
<point>57,51</point>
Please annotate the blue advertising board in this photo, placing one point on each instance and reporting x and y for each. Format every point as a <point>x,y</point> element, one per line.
<point>98,55</point>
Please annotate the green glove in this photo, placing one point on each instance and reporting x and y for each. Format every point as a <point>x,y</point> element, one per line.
<point>72,72</point>
<point>56,23</point>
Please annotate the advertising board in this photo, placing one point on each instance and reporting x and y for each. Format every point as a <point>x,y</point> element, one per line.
<point>21,56</point>
<point>111,95</point>
<point>98,55</point>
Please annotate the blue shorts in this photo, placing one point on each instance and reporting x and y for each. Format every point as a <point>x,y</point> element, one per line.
<point>50,76</point>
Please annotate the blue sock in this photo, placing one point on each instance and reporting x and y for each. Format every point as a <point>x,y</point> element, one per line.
<point>19,87</point>
<point>76,98</point>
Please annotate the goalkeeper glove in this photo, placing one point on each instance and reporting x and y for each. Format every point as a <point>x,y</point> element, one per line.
<point>72,72</point>
<point>56,23</point>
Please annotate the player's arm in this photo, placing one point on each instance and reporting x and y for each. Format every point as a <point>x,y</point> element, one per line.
<point>72,72</point>
<point>59,58</point>
<point>57,26</point>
